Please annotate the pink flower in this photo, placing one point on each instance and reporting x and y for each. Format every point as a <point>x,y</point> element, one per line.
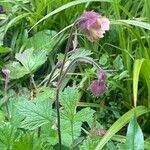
<point>93,25</point>
<point>97,87</point>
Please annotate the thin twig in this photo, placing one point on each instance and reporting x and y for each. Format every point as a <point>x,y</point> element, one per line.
<point>34,84</point>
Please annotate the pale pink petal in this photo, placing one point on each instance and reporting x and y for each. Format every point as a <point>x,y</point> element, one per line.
<point>88,20</point>
<point>105,23</point>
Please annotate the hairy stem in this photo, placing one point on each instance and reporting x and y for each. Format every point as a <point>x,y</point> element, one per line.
<point>58,87</point>
<point>84,59</point>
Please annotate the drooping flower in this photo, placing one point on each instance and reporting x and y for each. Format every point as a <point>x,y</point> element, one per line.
<point>93,25</point>
<point>97,87</point>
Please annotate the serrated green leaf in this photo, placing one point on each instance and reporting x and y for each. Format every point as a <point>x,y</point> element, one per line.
<point>85,114</point>
<point>103,59</point>
<point>80,53</point>
<point>29,61</point>
<point>42,40</point>
<point>135,139</point>
<point>67,131</point>
<point>8,134</point>
<point>89,144</point>
<point>118,64</point>
<point>69,98</point>
<point>35,115</point>
<point>17,71</point>
<point>45,93</point>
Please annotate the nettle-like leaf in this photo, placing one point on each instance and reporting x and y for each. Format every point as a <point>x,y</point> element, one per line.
<point>36,114</point>
<point>81,52</point>
<point>71,120</point>
<point>135,139</point>
<point>69,98</point>
<point>45,93</point>
<point>28,62</point>
<point>83,115</point>
<point>66,129</point>
<point>42,40</point>
<point>89,144</point>
<point>7,135</point>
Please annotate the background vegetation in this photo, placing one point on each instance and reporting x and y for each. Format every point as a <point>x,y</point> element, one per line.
<point>33,35</point>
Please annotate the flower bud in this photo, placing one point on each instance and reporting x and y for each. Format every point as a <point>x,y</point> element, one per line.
<point>97,87</point>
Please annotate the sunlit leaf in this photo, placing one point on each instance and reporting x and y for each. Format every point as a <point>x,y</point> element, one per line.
<point>35,115</point>
<point>135,139</point>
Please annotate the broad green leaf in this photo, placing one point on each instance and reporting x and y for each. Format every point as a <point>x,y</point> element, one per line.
<point>121,122</point>
<point>118,64</point>
<point>42,40</point>
<point>29,61</point>
<point>68,5</point>
<point>85,114</point>
<point>8,135</point>
<point>71,120</point>
<point>134,139</point>
<point>136,71</point>
<point>45,93</point>
<point>35,115</point>
<point>80,53</point>
<point>89,144</point>
<point>67,131</point>
<point>17,71</point>
<point>103,59</point>
<point>69,98</point>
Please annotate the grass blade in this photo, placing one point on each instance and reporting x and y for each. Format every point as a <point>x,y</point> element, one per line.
<point>122,121</point>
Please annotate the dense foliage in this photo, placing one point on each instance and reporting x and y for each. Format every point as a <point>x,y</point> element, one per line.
<point>33,38</point>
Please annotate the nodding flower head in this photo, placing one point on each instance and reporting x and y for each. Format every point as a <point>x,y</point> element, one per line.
<point>93,25</point>
<point>97,87</point>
